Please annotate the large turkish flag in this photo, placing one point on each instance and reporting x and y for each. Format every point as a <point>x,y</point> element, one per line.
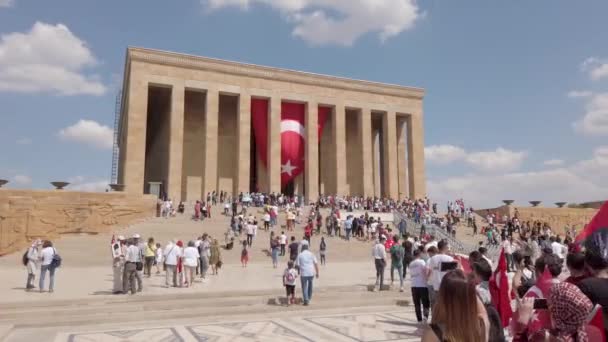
<point>293,135</point>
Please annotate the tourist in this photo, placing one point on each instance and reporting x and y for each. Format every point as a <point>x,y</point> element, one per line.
<point>118,266</point>
<point>309,268</point>
<point>484,254</point>
<point>158,260</point>
<point>575,262</point>
<point>205,253</point>
<point>322,250</point>
<point>434,272</point>
<point>274,251</point>
<point>31,259</point>
<point>568,310</point>
<point>595,287</point>
<point>283,241</point>
<point>507,246</point>
<point>244,255</point>
<point>482,272</point>
<point>251,228</point>
<point>408,247</point>
<point>149,254</point>
<point>266,219</point>
<point>191,258</point>
<point>397,254</point>
<point>293,249</point>
<point>420,293</point>
<point>525,274</point>
<point>171,255</point>
<point>215,258</point>
<point>46,257</point>
<point>139,266</point>
<point>289,281</point>
<point>379,255</point>
<point>459,314</point>
<point>132,258</point>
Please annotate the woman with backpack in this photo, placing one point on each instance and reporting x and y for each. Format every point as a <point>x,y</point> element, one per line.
<point>49,262</point>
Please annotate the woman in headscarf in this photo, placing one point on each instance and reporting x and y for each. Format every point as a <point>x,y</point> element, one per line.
<point>569,309</point>
<point>216,257</point>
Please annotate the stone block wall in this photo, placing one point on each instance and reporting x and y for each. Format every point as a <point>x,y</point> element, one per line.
<point>557,218</point>
<point>27,214</point>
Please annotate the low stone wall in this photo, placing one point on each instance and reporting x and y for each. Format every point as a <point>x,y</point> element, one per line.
<point>557,218</point>
<point>27,214</point>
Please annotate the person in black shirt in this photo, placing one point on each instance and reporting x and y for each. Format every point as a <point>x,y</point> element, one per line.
<point>596,260</point>
<point>293,249</point>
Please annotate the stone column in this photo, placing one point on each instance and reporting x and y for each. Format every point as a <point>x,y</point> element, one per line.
<point>135,135</point>
<point>274,145</point>
<point>401,160</point>
<point>415,142</point>
<point>376,169</point>
<point>365,139</point>
<point>339,142</point>
<point>311,158</point>
<point>211,140</point>
<point>389,141</point>
<point>243,144</point>
<point>176,142</point>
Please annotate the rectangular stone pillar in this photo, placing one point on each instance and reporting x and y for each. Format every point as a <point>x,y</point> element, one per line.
<point>176,142</point>
<point>311,158</point>
<point>415,154</point>
<point>339,142</point>
<point>274,145</point>
<point>243,144</point>
<point>389,141</point>
<point>365,139</point>
<point>211,140</point>
<point>401,160</point>
<point>135,135</point>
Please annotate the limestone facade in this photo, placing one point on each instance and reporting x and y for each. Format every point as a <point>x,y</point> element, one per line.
<point>186,122</point>
<point>557,218</point>
<point>29,214</point>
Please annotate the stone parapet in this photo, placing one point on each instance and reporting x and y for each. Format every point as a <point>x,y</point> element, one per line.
<point>557,218</point>
<point>28,214</point>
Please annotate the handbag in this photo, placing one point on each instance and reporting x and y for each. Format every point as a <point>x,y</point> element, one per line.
<point>56,261</point>
<point>139,266</point>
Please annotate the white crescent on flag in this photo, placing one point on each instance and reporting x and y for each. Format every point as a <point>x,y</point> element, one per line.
<point>293,126</point>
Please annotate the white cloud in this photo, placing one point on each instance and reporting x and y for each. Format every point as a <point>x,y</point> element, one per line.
<point>443,154</point>
<point>22,180</point>
<point>7,3</point>
<point>553,162</point>
<point>48,58</point>
<point>341,22</point>
<point>23,141</point>
<point>595,119</point>
<point>500,160</point>
<point>81,183</point>
<point>89,132</point>
<point>579,93</point>
<point>583,181</point>
<point>596,68</point>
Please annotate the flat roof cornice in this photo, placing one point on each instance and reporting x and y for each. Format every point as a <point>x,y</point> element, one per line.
<point>271,73</point>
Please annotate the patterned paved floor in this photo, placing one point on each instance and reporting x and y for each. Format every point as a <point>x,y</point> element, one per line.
<point>364,327</point>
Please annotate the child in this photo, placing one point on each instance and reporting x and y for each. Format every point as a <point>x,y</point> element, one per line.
<point>244,255</point>
<point>159,257</point>
<point>289,281</point>
<point>322,249</point>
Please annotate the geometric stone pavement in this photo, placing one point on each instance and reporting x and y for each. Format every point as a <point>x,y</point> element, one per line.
<point>365,327</point>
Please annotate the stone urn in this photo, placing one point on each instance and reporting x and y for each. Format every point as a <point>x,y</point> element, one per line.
<point>560,204</point>
<point>2,182</point>
<point>535,203</point>
<point>508,202</point>
<point>117,187</point>
<point>60,185</point>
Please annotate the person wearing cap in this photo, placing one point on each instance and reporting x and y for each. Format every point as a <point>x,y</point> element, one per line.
<point>309,268</point>
<point>379,255</point>
<point>118,267</point>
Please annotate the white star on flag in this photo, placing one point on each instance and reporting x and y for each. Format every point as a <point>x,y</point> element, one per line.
<point>288,168</point>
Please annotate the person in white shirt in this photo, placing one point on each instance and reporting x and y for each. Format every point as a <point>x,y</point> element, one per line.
<point>46,258</point>
<point>507,246</point>
<point>434,267</point>
<point>32,260</point>
<point>309,268</point>
<point>557,248</point>
<point>118,266</point>
<point>420,292</point>
<point>283,242</point>
<point>132,258</point>
<point>172,254</point>
<point>191,257</point>
<point>379,255</point>
<point>205,252</point>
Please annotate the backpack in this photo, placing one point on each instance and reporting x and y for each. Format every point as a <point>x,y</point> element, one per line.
<point>290,277</point>
<point>56,261</point>
<point>25,259</point>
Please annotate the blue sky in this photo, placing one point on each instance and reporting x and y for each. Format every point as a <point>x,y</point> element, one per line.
<point>517,92</point>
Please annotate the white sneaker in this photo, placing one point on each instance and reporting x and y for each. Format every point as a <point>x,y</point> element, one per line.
<point>401,289</point>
